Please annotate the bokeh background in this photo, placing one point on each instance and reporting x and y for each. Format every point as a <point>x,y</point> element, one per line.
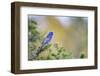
<point>69,39</point>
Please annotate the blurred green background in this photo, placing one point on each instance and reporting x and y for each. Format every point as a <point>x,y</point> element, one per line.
<point>69,40</point>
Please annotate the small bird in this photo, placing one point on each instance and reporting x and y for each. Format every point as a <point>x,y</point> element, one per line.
<point>45,41</point>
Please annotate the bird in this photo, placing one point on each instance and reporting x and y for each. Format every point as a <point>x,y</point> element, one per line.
<point>45,41</point>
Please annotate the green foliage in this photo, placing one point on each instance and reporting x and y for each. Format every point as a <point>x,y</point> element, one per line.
<point>54,53</point>
<point>82,55</point>
<point>33,32</point>
<point>34,38</point>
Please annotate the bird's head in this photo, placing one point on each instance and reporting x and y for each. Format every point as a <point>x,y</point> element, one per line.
<point>50,34</point>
